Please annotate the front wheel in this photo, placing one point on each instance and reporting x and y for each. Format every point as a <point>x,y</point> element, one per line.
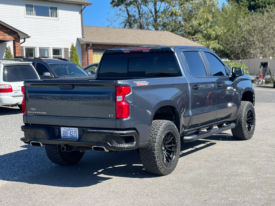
<point>246,122</point>
<point>58,157</point>
<point>161,154</point>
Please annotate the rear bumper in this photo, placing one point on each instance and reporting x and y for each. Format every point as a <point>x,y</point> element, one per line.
<point>114,140</point>
<point>9,100</point>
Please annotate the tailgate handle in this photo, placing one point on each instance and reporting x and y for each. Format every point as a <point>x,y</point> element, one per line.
<point>66,86</point>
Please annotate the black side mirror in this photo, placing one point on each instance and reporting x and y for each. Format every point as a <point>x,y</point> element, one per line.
<point>237,71</point>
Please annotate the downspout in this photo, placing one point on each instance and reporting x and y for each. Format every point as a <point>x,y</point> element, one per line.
<point>88,62</point>
<point>23,41</point>
<point>82,26</point>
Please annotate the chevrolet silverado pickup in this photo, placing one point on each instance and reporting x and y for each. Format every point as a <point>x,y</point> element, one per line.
<point>149,99</point>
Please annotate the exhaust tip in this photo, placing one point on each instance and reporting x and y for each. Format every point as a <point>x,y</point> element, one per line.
<point>100,149</point>
<point>36,144</point>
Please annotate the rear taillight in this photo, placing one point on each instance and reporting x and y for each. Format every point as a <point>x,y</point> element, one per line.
<point>122,107</point>
<point>23,101</point>
<point>5,88</point>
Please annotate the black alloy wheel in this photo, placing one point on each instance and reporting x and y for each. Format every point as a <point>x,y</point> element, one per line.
<point>169,147</point>
<point>249,120</point>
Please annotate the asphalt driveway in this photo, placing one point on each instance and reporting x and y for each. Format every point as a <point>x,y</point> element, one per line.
<point>214,171</point>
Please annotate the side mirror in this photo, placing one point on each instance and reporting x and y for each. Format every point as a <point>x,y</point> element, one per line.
<point>47,74</point>
<point>237,71</point>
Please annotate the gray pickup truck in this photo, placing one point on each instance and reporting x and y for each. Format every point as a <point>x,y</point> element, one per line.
<point>148,99</point>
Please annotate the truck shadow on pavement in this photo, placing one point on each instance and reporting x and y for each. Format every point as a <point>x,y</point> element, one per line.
<point>9,110</point>
<point>31,166</point>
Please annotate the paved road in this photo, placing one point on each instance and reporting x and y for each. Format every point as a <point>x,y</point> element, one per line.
<point>215,171</point>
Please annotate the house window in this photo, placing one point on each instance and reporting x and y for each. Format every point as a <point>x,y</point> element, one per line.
<point>57,53</point>
<point>43,11</point>
<point>44,53</point>
<point>30,52</point>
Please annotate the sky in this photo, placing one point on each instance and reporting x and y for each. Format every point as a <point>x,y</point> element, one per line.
<point>98,13</point>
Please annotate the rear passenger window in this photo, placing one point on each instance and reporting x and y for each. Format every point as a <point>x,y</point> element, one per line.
<point>217,67</point>
<point>195,64</point>
<point>18,73</point>
<point>41,69</point>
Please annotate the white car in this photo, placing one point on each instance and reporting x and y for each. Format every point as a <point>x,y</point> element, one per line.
<point>13,73</point>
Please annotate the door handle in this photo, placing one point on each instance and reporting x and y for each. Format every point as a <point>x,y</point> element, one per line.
<point>196,87</point>
<point>219,85</point>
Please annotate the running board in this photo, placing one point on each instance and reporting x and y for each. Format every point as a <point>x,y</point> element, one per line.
<point>195,137</point>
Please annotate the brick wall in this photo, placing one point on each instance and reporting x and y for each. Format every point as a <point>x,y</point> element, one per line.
<point>8,35</point>
<point>95,46</point>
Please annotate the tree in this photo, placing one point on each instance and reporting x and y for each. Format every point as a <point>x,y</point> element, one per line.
<point>74,56</point>
<point>257,34</point>
<point>230,41</point>
<point>140,14</point>
<point>196,20</point>
<point>8,54</point>
<point>254,5</point>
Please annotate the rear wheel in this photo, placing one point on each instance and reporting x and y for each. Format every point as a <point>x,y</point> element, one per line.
<point>58,157</point>
<point>161,154</point>
<point>246,122</point>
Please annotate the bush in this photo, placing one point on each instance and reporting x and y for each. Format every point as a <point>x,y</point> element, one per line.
<point>231,64</point>
<point>8,54</point>
<point>74,56</point>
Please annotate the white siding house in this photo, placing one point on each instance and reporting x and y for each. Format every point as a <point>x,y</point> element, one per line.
<point>52,26</point>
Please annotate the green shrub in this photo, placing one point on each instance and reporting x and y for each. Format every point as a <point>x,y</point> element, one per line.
<point>8,54</point>
<point>231,64</point>
<point>74,56</point>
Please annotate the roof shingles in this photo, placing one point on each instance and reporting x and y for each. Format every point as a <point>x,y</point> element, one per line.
<point>117,36</point>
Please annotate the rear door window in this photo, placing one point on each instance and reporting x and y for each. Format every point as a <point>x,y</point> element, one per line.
<point>195,64</point>
<point>19,73</point>
<point>149,65</point>
<point>217,67</point>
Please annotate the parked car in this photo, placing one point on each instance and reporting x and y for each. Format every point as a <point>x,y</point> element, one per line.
<point>56,68</point>
<point>92,68</point>
<point>150,99</point>
<point>13,73</point>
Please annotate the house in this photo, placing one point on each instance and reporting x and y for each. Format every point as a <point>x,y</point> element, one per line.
<point>97,39</point>
<point>41,28</point>
<point>47,28</point>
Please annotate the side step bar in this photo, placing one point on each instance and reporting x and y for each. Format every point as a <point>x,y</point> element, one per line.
<point>195,137</point>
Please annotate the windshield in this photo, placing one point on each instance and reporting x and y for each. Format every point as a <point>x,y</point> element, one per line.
<point>68,70</point>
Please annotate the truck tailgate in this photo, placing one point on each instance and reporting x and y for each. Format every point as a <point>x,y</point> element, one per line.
<point>79,98</point>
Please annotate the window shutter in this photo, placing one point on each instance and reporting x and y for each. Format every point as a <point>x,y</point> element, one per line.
<point>66,53</point>
<point>22,51</point>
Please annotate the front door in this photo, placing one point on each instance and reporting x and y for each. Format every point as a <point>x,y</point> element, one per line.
<point>226,108</point>
<point>203,90</point>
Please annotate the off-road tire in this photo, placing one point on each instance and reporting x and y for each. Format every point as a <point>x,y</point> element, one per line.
<point>152,156</point>
<point>58,157</point>
<point>241,131</point>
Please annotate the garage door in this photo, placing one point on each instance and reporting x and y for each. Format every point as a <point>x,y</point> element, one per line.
<point>97,54</point>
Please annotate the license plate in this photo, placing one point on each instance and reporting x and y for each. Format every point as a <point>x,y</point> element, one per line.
<point>69,133</point>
